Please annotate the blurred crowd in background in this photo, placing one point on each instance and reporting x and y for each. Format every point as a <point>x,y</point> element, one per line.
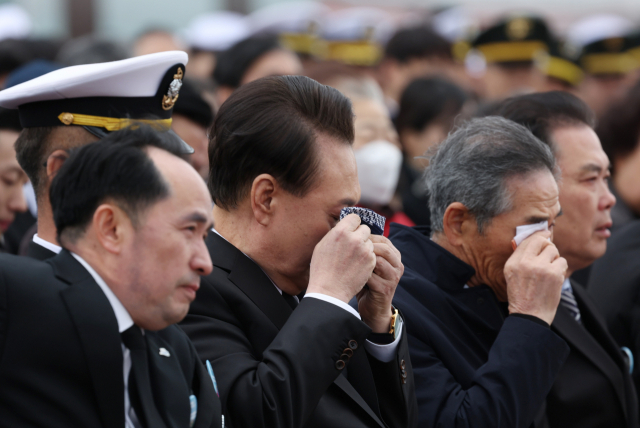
<point>410,76</point>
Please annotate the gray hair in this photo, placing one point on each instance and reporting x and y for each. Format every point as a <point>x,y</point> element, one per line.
<point>473,164</point>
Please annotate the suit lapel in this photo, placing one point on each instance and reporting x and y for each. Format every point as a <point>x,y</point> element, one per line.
<point>600,333</point>
<point>249,278</point>
<point>203,389</point>
<point>584,342</point>
<point>170,389</point>
<point>97,329</point>
<point>252,280</point>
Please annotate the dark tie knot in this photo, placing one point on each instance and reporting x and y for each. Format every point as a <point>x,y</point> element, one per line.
<point>132,338</point>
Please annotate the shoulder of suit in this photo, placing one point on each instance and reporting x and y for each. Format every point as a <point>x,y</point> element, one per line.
<point>24,269</point>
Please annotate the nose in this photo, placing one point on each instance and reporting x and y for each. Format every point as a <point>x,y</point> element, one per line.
<point>201,260</point>
<point>608,200</point>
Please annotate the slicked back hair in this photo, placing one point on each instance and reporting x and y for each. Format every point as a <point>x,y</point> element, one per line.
<point>270,126</point>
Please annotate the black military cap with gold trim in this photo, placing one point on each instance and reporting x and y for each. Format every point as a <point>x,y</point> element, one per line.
<point>103,97</point>
<point>515,39</point>
<point>609,56</point>
<point>561,65</point>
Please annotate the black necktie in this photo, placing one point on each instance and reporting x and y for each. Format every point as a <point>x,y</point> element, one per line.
<point>140,391</point>
<point>291,301</point>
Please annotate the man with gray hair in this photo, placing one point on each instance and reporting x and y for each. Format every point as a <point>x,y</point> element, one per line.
<point>481,287</point>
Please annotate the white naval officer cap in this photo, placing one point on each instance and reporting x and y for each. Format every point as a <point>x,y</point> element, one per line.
<point>599,27</point>
<point>216,31</point>
<point>295,22</point>
<point>103,97</point>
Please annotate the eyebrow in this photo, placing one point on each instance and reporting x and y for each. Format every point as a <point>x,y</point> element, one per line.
<point>198,218</point>
<point>592,167</point>
<point>347,202</point>
<point>538,219</point>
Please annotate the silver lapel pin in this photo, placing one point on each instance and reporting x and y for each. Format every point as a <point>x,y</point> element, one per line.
<point>163,352</point>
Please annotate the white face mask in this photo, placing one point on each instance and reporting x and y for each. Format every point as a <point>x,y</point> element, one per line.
<point>379,164</point>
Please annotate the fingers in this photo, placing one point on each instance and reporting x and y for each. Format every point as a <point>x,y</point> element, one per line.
<point>550,253</point>
<point>350,222</point>
<point>560,265</point>
<point>379,239</point>
<point>535,243</point>
<point>388,253</point>
<point>383,268</point>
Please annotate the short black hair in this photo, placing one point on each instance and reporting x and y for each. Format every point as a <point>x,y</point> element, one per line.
<point>32,148</point>
<point>544,112</point>
<point>619,126</point>
<point>426,100</point>
<point>270,126</point>
<point>117,168</point>
<point>233,63</point>
<point>417,42</point>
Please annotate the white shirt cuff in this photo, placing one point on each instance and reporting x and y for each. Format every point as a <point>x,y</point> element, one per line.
<point>384,353</point>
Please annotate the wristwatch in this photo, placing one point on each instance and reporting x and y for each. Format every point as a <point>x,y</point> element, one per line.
<point>394,319</point>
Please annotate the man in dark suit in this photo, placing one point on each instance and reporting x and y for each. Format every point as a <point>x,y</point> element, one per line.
<point>74,106</point>
<point>478,312</point>
<point>594,387</point>
<point>282,168</point>
<point>87,337</point>
<point>614,285</point>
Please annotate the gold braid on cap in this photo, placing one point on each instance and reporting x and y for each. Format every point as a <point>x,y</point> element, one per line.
<point>111,123</point>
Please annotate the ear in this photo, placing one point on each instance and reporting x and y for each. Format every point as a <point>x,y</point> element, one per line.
<point>458,223</point>
<point>263,191</point>
<point>54,163</point>
<point>112,227</point>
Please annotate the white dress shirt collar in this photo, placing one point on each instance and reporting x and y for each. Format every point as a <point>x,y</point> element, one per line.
<point>46,244</point>
<point>122,316</point>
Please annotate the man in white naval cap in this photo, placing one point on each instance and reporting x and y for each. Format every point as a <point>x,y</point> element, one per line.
<point>74,106</point>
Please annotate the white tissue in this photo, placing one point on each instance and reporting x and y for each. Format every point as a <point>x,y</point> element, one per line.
<point>523,232</point>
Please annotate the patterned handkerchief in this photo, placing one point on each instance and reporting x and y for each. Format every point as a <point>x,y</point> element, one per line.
<point>368,217</point>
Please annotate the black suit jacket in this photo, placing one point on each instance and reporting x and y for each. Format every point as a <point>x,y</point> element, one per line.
<point>280,368</point>
<point>38,252</point>
<point>61,355</point>
<point>614,284</point>
<point>594,388</point>
<point>474,366</point>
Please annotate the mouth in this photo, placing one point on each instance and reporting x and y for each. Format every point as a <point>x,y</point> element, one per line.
<point>190,290</point>
<point>604,231</point>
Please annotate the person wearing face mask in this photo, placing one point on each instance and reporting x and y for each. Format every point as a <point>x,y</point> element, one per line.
<point>377,150</point>
<point>12,177</point>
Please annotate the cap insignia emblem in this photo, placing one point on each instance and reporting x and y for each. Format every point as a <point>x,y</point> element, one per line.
<point>519,28</point>
<point>66,118</point>
<point>174,88</point>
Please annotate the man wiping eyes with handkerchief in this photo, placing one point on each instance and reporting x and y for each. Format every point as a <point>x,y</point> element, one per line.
<point>482,285</point>
<point>274,319</point>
